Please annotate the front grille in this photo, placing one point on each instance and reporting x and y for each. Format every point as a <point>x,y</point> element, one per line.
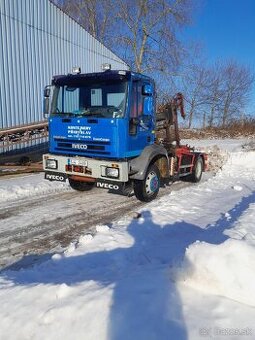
<point>82,147</point>
<point>89,146</point>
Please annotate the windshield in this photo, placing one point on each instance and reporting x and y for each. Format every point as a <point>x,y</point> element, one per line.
<point>105,99</point>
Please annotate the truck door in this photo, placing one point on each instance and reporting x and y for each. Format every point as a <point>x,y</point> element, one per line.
<point>141,121</point>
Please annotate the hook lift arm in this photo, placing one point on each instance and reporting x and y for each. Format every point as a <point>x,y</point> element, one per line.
<point>170,119</point>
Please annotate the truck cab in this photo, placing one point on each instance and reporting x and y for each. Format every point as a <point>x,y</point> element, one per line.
<point>107,115</point>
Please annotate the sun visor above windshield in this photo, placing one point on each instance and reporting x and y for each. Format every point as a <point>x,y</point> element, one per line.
<point>79,79</point>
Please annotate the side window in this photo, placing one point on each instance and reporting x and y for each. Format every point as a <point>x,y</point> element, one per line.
<point>133,107</point>
<point>59,99</point>
<point>139,99</point>
<point>136,108</point>
<point>136,100</point>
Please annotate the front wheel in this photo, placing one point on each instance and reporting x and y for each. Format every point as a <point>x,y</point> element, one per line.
<point>80,186</point>
<point>146,190</point>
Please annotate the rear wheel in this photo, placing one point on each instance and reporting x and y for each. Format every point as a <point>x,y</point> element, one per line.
<point>146,190</point>
<point>197,171</point>
<point>80,186</point>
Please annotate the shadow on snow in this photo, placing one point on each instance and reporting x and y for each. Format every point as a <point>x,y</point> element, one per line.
<point>146,304</point>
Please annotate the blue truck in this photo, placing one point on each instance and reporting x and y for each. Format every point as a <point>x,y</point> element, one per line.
<point>104,132</point>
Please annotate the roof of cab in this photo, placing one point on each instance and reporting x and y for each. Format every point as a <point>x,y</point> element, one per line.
<point>109,74</point>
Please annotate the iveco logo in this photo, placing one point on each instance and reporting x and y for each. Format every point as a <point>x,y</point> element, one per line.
<point>80,146</point>
<point>55,177</point>
<point>107,186</point>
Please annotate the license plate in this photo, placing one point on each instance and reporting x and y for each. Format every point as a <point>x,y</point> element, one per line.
<point>81,162</point>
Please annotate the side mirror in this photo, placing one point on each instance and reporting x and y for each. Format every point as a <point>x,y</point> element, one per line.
<point>148,106</point>
<point>47,100</point>
<point>147,90</point>
<point>46,92</point>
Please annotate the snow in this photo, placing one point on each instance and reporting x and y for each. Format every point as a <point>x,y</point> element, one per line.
<point>27,186</point>
<point>215,272</point>
<point>182,268</point>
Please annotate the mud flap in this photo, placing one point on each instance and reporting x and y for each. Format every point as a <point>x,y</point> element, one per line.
<point>55,176</point>
<point>110,185</point>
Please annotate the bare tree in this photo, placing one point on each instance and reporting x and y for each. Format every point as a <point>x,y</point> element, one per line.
<point>214,94</point>
<point>236,87</point>
<point>195,87</point>
<point>94,15</point>
<point>148,34</point>
<point>142,32</point>
<point>220,91</point>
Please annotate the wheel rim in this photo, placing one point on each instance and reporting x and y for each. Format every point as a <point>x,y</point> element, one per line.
<point>151,183</point>
<point>198,170</point>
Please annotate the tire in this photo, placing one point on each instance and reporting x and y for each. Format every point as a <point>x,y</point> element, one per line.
<point>196,175</point>
<point>80,186</point>
<point>147,190</point>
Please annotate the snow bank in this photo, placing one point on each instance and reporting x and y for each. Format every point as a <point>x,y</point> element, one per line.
<point>216,157</point>
<point>226,269</point>
<point>241,164</point>
<point>25,186</point>
<point>249,145</point>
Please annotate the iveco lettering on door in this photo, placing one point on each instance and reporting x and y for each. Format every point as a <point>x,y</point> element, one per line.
<point>80,146</point>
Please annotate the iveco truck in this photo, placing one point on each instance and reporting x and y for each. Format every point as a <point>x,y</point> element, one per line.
<point>104,132</point>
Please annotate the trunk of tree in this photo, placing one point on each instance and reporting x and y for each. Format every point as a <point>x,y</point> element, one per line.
<point>204,121</point>
<point>211,117</point>
<point>191,113</point>
<point>224,116</point>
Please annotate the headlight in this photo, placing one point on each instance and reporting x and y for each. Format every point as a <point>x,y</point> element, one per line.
<point>112,172</point>
<point>51,164</point>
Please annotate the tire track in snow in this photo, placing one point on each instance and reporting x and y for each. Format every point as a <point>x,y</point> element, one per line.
<point>42,224</point>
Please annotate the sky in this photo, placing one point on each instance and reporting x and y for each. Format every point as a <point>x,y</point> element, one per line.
<point>226,30</point>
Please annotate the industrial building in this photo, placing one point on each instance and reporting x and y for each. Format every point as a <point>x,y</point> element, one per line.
<point>39,40</point>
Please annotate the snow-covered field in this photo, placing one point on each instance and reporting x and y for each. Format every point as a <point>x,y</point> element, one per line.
<point>184,269</point>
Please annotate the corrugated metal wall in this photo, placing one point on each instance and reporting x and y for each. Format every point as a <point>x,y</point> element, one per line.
<point>37,40</point>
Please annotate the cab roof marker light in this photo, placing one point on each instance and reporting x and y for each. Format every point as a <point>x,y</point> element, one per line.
<point>76,70</point>
<point>106,67</point>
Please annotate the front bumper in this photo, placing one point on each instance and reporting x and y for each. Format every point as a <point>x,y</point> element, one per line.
<point>85,167</point>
